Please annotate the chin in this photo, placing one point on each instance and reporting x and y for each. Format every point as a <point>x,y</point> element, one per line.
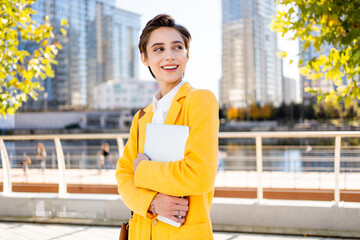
<point>173,80</point>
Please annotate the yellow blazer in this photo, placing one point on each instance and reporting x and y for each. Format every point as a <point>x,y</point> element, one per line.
<point>192,176</point>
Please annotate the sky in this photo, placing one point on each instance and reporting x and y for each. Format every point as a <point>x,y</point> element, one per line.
<point>203,20</point>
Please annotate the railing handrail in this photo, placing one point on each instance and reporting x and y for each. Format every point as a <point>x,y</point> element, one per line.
<point>65,136</point>
<point>293,134</point>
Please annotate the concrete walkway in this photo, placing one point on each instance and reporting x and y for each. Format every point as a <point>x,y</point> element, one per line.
<point>29,231</point>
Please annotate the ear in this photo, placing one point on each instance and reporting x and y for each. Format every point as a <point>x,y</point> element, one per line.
<point>187,54</point>
<point>144,59</point>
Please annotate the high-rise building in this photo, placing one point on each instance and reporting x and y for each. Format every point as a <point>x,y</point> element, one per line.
<point>251,70</point>
<point>101,44</point>
<point>290,93</point>
<point>290,87</point>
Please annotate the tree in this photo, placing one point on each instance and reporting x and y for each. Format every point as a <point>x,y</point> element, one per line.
<point>267,111</point>
<point>21,71</point>
<point>232,113</point>
<point>243,112</point>
<point>352,112</point>
<point>255,112</point>
<point>318,23</point>
<point>327,111</point>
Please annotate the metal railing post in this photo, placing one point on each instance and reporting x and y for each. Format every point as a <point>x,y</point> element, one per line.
<point>259,167</point>
<point>337,168</point>
<point>61,166</point>
<point>53,160</point>
<point>7,187</point>
<point>120,143</point>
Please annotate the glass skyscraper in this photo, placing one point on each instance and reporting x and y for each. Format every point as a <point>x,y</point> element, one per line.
<point>251,70</point>
<point>101,44</point>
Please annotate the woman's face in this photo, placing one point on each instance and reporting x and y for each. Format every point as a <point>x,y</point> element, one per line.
<point>166,55</point>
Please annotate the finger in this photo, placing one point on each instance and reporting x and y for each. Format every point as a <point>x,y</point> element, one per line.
<point>180,213</point>
<point>182,208</point>
<point>142,156</point>
<point>182,201</point>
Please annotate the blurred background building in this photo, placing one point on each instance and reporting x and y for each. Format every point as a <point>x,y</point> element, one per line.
<point>251,70</point>
<point>124,94</point>
<point>101,44</point>
<point>289,90</point>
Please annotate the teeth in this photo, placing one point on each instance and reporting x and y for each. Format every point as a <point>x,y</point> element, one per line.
<point>169,67</point>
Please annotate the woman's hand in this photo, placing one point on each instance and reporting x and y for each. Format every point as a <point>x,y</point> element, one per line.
<point>171,207</point>
<point>140,157</point>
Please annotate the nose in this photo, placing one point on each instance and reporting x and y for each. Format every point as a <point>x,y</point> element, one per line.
<point>170,55</point>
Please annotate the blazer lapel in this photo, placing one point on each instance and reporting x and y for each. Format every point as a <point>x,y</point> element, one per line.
<point>176,106</point>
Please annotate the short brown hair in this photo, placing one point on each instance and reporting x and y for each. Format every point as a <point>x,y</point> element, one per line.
<point>162,20</point>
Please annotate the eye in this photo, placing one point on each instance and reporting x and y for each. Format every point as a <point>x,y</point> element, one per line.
<point>179,47</point>
<point>159,49</point>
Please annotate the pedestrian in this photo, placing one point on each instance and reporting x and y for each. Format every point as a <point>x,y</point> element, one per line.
<point>41,156</point>
<point>221,161</point>
<point>105,151</point>
<point>152,188</point>
<point>101,161</point>
<point>25,165</point>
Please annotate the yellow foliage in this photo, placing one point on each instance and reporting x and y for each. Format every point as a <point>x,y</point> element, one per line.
<point>320,24</point>
<point>17,23</point>
<point>255,112</point>
<point>232,113</point>
<point>304,71</point>
<point>282,54</point>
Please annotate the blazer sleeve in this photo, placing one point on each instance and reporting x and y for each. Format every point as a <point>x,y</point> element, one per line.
<point>136,198</point>
<point>195,173</point>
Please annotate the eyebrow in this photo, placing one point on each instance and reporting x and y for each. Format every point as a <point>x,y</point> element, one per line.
<point>173,42</point>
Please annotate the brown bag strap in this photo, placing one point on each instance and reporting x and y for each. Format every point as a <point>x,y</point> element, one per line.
<point>124,231</point>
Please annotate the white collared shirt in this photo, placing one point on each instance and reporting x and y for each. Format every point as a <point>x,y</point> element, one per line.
<point>162,106</point>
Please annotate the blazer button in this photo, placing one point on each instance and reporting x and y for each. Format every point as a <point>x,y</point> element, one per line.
<point>154,222</point>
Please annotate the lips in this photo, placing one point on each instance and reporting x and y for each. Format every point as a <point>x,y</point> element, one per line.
<point>170,67</point>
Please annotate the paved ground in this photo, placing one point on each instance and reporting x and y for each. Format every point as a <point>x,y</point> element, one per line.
<point>29,231</point>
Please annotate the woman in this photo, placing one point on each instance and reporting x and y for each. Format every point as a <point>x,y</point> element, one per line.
<point>41,155</point>
<point>151,188</point>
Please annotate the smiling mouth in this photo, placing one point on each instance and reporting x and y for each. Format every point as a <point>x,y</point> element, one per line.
<point>170,67</point>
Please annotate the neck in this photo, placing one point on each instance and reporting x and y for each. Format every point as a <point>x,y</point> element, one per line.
<point>165,88</point>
